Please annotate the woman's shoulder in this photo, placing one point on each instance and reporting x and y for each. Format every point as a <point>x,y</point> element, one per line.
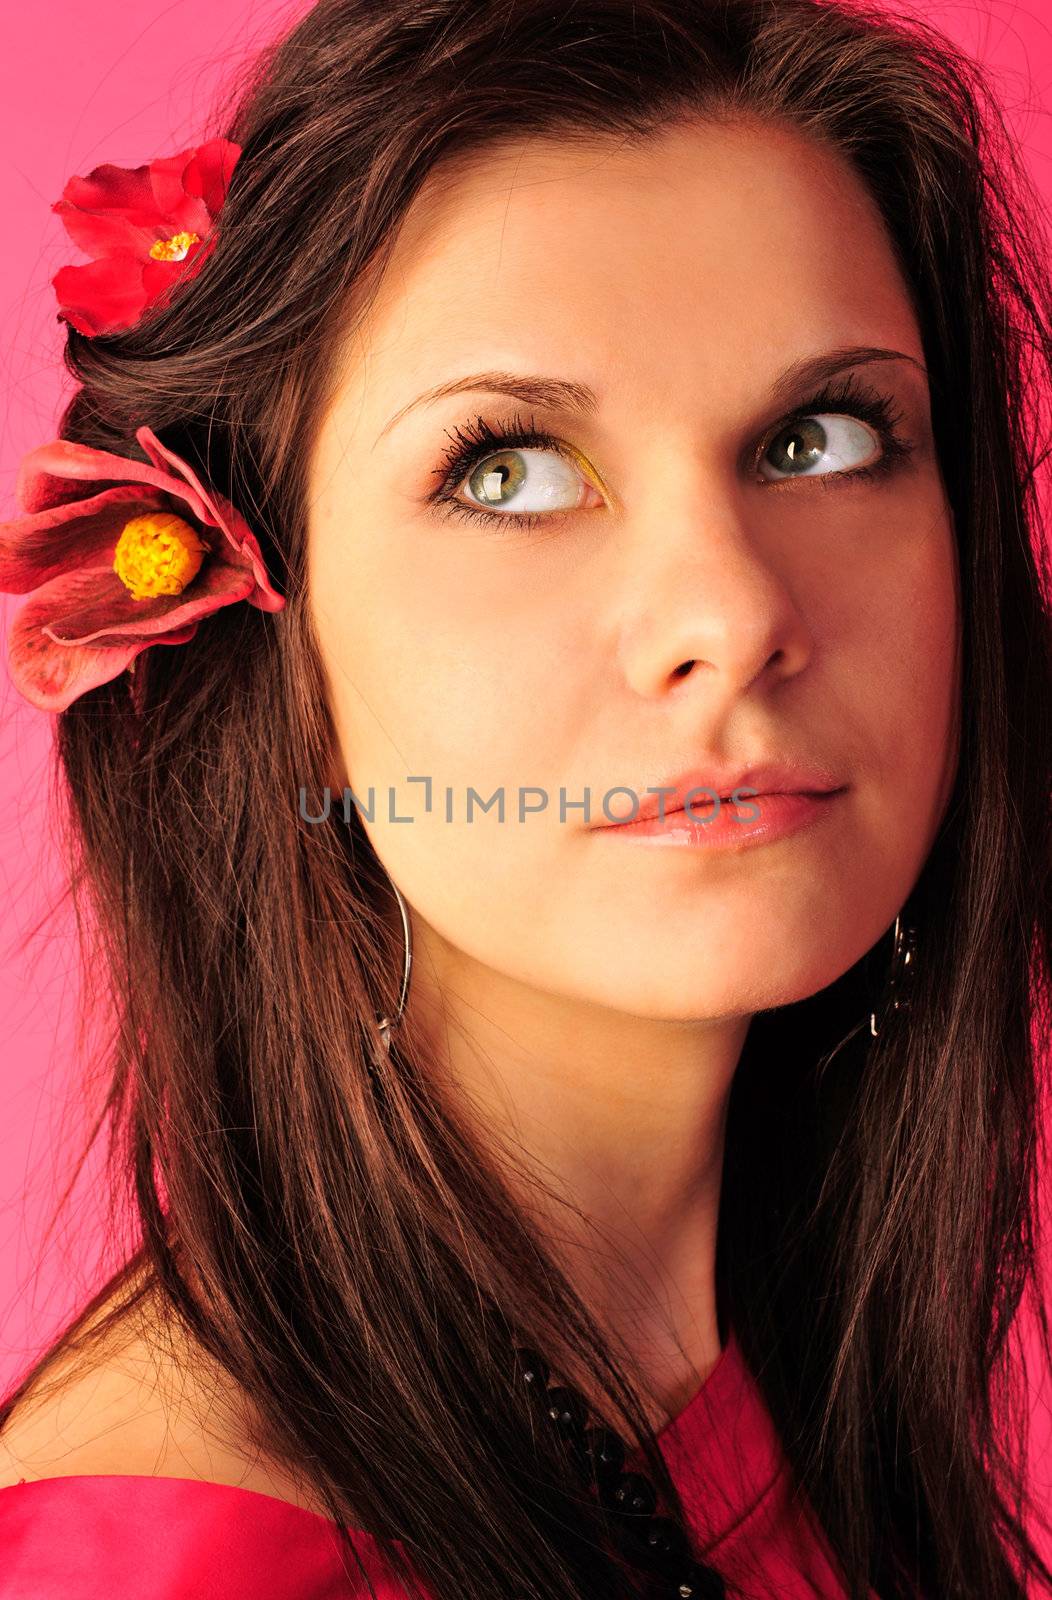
<point>138,1403</point>
<point>127,1471</point>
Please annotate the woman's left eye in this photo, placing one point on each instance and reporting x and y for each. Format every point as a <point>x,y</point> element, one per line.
<point>514,472</point>
<point>819,444</point>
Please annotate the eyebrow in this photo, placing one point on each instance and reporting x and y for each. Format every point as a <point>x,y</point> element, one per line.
<point>560,394</point>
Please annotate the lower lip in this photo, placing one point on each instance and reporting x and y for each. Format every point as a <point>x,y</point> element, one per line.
<point>780,815</point>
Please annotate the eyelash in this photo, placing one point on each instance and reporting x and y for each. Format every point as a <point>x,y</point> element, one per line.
<point>845,396</point>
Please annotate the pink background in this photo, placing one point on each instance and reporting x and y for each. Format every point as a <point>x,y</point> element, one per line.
<point>90,81</point>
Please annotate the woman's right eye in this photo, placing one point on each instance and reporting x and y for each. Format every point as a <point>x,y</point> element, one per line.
<point>532,481</point>
<point>511,472</point>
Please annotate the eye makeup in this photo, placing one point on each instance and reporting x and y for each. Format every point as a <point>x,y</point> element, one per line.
<point>848,396</point>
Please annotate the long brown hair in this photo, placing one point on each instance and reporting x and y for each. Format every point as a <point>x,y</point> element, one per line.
<point>360,1265</point>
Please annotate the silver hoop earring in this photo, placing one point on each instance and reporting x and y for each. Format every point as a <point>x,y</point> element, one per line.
<point>901,975</point>
<point>387,1023</point>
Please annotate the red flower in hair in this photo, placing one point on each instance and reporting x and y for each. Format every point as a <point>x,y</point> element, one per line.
<point>145,226</point>
<point>137,563</point>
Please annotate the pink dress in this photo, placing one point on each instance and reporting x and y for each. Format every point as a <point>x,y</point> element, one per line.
<point>114,1537</point>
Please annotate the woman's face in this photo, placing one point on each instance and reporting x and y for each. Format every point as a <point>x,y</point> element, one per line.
<point>691,589</point>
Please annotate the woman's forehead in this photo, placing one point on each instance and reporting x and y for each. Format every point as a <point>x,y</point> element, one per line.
<point>707,259</point>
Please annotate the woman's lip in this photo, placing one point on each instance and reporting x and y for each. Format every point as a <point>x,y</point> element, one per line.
<point>780,814</point>
<point>698,785</point>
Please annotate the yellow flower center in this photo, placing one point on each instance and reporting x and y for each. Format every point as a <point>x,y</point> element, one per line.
<point>175,248</point>
<point>157,553</point>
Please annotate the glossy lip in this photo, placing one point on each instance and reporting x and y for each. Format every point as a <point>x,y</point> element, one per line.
<point>779,816</point>
<point>765,778</point>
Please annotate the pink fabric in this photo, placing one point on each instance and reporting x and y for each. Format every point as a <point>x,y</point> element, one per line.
<point>149,1538</point>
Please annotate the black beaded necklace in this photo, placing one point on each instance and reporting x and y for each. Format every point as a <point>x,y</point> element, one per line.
<point>655,1544</point>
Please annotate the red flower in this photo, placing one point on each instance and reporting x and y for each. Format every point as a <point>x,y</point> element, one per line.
<point>193,554</point>
<point>145,226</point>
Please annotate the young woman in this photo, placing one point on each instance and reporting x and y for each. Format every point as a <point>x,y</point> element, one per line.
<point>575,886</point>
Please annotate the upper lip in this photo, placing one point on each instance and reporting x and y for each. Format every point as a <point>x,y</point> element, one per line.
<point>766,777</point>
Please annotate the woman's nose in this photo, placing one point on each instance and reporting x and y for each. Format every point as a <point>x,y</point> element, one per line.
<point>710,596</point>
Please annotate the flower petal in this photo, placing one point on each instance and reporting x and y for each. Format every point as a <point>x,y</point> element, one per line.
<point>210,172</point>
<point>101,296</point>
<point>108,233</point>
<point>159,278</point>
<point>93,605</point>
<point>51,474</point>
<point>220,513</point>
<point>169,465</point>
<point>51,676</point>
<point>126,191</point>
<point>180,210</point>
<point>35,549</point>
